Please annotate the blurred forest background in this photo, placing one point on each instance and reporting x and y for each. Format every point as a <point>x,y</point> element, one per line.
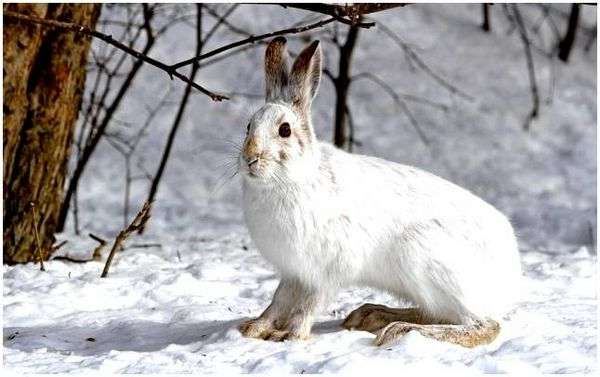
<point>500,99</point>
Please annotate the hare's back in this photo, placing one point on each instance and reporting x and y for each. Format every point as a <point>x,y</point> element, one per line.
<point>409,192</point>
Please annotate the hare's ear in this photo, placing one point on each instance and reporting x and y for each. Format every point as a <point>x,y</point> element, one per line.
<point>276,68</point>
<point>306,75</point>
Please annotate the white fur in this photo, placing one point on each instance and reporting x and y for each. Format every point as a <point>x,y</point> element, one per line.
<point>327,219</point>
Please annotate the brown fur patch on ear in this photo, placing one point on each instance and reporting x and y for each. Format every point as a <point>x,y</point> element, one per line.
<point>276,68</point>
<point>306,75</point>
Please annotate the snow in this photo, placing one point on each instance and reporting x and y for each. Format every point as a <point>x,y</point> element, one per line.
<point>156,313</point>
<point>175,308</point>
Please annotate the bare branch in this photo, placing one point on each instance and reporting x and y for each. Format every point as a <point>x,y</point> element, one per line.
<point>413,55</point>
<point>59,245</point>
<point>100,240</point>
<point>352,11</point>
<point>393,93</point>
<point>178,116</point>
<point>250,40</point>
<point>170,70</point>
<point>97,132</point>
<point>144,245</point>
<point>530,67</point>
<point>390,91</point>
<point>220,20</point>
<point>138,222</point>
<point>37,236</point>
<point>67,258</point>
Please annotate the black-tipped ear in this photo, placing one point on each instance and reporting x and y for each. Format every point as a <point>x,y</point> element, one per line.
<point>306,74</point>
<point>276,68</point>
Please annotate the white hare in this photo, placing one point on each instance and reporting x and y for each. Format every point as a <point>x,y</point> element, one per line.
<point>327,219</point>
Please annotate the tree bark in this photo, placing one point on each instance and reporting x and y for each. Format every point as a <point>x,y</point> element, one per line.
<point>44,77</point>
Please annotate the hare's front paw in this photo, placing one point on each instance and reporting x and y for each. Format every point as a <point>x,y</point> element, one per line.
<point>263,329</point>
<point>256,328</point>
<point>281,335</point>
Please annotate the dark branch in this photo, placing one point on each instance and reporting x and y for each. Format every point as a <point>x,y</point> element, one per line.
<point>530,67</point>
<point>352,12</point>
<point>220,20</point>
<point>250,40</point>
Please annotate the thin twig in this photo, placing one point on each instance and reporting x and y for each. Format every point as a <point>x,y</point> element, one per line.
<point>140,221</point>
<point>59,245</point>
<point>407,97</point>
<point>97,239</point>
<point>220,20</point>
<point>144,245</point>
<point>97,255</point>
<point>67,258</point>
<point>399,101</point>
<point>417,59</point>
<point>37,236</point>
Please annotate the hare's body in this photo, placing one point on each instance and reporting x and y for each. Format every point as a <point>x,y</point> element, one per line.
<point>360,220</point>
<point>327,219</point>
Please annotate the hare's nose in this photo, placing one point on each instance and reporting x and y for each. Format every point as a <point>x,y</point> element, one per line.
<point>252,161</point>
<point>251,151</point>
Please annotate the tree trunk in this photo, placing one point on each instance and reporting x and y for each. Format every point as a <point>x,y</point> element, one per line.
<point>342,84</point>
<point>564,48</point>
<point>486,17</point>
<point>44,76</point>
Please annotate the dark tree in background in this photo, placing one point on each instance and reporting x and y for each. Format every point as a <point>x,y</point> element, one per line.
<point>44,76</point>
<point>564,48</point>
<point>342,84</point>
<point>485,25</point>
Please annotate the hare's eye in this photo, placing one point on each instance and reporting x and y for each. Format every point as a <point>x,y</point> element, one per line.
<point>247,128</point>
<point>284,130</point>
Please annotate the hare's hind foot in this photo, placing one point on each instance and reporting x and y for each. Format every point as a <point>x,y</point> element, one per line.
<point>372,317</point>
<point>483,332</point>
<point>390,324</point>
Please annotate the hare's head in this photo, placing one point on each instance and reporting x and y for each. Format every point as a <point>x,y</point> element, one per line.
<point>280,138</point>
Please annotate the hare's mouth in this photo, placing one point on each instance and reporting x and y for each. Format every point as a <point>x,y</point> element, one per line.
<point>254,172</point>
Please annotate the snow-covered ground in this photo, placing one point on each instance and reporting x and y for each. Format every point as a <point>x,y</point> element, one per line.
<point>175,307</point>
<point>160,312</point>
